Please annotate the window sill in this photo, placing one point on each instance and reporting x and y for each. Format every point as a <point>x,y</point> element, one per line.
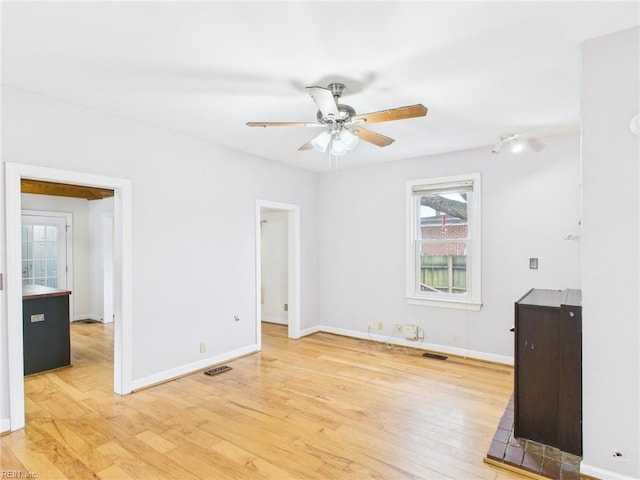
<point>445,303</point>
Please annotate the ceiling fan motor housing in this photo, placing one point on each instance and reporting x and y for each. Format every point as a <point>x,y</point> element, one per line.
<point>346,112</point>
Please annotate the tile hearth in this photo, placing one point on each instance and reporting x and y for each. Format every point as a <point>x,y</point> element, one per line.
<point>530,456</point>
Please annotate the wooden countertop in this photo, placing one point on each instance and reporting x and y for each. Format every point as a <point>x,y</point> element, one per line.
<point>38,291</point>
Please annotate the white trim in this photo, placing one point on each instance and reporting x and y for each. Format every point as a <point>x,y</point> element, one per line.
<point>602,473</point>
<point>474,299</point>
<point>444,303</point>
<point>14,172</point>
<point>309,331</point>
<point>460,352</point>
<point>279,321</point>
<point>192,367</point>
<point>5,425</point>
<point>88,316</point>
<point>293,293</point>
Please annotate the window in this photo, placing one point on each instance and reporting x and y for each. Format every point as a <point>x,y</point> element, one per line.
<point>443,247</point>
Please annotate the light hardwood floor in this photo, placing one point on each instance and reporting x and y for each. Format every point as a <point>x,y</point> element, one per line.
<point>323,407</point>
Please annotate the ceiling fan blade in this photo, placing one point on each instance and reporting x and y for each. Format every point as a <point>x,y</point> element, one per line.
<point>324,100</point>
<point>306,146</point>
<point>283,124</point>
<point>399,113</point>
<point>372,137</point>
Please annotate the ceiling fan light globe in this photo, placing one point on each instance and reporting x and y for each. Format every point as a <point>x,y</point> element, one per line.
<point>321,142</point>
<point>337,147</point>
<point>349,140</point>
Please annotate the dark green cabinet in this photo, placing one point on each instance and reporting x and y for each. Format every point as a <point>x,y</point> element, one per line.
<point>46,336</point>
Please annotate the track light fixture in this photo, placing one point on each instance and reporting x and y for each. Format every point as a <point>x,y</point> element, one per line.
<point>511,140</point>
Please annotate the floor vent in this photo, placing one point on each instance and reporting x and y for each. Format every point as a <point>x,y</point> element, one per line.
<point>217,370</point>
<point>434,355</point>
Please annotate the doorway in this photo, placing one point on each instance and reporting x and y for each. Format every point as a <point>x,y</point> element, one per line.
<point>122,274</point>
<point>289,215</point>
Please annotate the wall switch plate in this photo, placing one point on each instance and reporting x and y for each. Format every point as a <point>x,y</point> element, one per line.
<point>533,263</point>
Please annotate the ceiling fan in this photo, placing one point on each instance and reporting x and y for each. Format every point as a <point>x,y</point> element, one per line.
<point>342,127</point>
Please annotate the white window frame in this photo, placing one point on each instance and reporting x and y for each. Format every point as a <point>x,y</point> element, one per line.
<point>473,299</point>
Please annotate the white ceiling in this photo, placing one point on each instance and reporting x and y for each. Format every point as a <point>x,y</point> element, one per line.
<point>482,69</point>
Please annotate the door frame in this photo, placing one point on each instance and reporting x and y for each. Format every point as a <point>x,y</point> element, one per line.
<point>293,249</point>
<point>122,355</point>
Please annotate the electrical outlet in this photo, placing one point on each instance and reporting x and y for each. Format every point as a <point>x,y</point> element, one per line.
<point>420,333</point>
<point>411,332</point>
<point>399,327</point>
<point>203,347</point>
<point>380,325</point>
<point>370,326</point>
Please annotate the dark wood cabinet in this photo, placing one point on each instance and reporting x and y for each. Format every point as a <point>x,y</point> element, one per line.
<point>548,369</point>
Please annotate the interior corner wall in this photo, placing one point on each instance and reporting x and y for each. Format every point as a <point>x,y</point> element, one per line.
<point>610,260</point>
<point>79,209</point>
<point>530,203</point>
<point>193,235</point>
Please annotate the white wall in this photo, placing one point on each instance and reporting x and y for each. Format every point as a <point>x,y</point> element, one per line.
<point>530,203</point>
<point>275,278</point>
<point>193,225</point>
<point>79,208</point>
<point>610,261</point>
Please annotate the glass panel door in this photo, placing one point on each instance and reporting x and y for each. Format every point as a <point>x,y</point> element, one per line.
<point>44,251</point>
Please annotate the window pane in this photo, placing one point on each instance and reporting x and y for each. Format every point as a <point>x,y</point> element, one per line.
<point>39,268</point>
<point>39,233</point>
<point>52,268</point>
<point>52,282</point>
<point>39,251</point>
<point>443,268</point>
<point>52,251</point>
<point>443,215</point>
<point>52,233</point>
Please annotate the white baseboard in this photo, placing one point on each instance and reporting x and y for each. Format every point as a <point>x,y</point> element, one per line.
<point>597,472</point>
<point>393,340</point>
<point>309,331</point>
<point>5,425</point>
<point>87,316</point>
<point>191,367</point>
<point>280,321</point>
